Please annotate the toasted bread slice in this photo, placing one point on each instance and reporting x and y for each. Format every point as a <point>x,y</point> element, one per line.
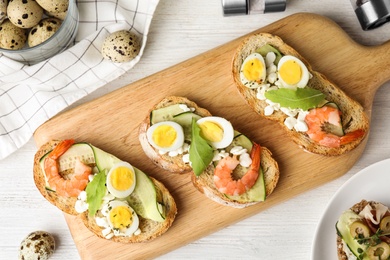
<point>150,229</point>
<point>204,182</point>
<point>172,164</point>
<point>357,208</point>
<point>353,115</point>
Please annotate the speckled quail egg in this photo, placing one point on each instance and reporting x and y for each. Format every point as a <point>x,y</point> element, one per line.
<point>120,46</point>
<point>3,10</point>
<point>54,6</point>
<point>43,31</point>
<point>11,36</point>
<point>37,245</point>
<point>61,15</point>
<point>24,13</point>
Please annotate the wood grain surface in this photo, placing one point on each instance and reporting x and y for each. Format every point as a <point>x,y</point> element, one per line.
<point>111,123</point>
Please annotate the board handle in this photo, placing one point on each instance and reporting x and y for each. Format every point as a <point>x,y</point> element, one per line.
<point>379,60</point>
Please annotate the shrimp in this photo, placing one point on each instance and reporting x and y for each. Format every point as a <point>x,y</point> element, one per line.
<point>319,119</point>
<point>65,187</point>
<point>223,174</point>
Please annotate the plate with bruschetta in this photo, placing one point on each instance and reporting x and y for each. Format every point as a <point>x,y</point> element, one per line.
<point>369,185</point>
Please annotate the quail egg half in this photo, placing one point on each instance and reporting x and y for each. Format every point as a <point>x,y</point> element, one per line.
<point>121,180</point>
<point>217,131</point>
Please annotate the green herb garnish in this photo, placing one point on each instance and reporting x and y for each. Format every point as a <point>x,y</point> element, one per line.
<point>96,189</point>
<point>303,98</point>
<point>369,241</point>
<point>201,153</point>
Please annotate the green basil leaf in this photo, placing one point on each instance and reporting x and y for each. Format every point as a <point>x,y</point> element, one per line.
<point>304,98</point>
<point>201,153</point>
<point>96,189</point>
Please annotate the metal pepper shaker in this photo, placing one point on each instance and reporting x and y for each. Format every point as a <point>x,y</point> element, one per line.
<point>245,7</point>
<point>371,13</point>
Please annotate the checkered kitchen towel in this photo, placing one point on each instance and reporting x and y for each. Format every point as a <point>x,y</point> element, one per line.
<point>30,95</point>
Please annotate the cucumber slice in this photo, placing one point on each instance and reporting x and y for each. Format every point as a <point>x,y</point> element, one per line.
<point>334,129</point>
<point>256,193</point>
<point>263,50</point>
<point>241,140</point>
<point>185,120</point>
<point>143,199</point>
<point>342,227</point>
<point>165,113</point>
<point>103,159</point>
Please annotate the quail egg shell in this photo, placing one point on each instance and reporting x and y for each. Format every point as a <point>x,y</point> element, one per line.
<point>253,71</point>
<point>37,245</point>
<point>120,46</point>
<point>60,15</point>
<point>3,10</point>
<point>292,72</point>
<point>217,131</point>
<point>121,218</point>
<point>11,36</point>
<point>166,136</point>
<point>54,6</point>
<point>43,31</point>
<point>24,13</point>
<point>121,180</point>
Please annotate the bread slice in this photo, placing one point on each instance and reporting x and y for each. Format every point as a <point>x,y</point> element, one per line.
<point>353,116</point>
<point>172,164</point>
<point>204,182</point>
<point>149,229</point>
<point>357,208</point>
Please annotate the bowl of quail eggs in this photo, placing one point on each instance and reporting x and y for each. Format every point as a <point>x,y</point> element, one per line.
<point>35,30</point>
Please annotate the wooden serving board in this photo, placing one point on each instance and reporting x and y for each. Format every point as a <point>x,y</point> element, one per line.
<point>111,123</point>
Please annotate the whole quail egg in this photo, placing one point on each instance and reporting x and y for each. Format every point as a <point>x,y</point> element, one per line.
<point>37,245</point>
<point>11,36</point>
<point>61,15</point>
<point>3,10</point>
<point>43,31</point>
<point>54,6</point>
<point>120,46</point>
<point>24,13</point>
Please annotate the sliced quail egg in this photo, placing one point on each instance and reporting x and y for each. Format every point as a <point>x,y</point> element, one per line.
<point>253,71</point>
<point>121,180</point>
<point>122,219</point>
<point>166,136</point>
<point>292,72</point>
<point>217,131</point>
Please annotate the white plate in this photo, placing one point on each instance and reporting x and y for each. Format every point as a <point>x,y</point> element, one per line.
<point>371,183</point>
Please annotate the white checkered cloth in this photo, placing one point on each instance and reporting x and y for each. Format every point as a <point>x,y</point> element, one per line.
<point>30,95</point>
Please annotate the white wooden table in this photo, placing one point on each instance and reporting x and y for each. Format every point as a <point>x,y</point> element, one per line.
<point>180,30</point>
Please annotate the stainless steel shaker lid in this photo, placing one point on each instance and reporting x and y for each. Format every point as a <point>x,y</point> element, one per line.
<point>236,7</point>
<point>373,14</point>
